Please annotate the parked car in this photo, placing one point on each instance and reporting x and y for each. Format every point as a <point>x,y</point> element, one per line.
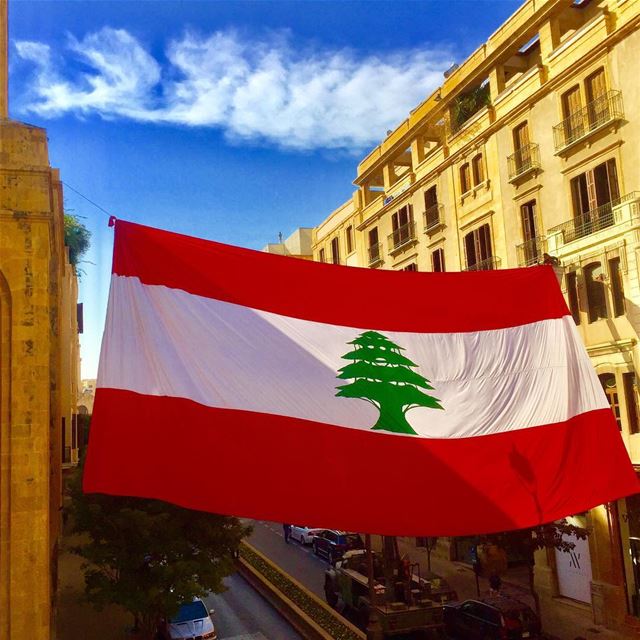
<point>302,534</point>
<point>192,621</point>
<point>331,544</point>
<point>494,617</point>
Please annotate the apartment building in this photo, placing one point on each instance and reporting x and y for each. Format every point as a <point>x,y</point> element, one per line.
<point>529,151</point>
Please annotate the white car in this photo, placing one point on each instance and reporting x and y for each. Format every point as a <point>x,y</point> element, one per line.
<point>304,535</point>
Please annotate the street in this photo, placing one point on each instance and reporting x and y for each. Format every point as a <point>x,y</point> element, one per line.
<point>297,560</point>
<point>242,614</point>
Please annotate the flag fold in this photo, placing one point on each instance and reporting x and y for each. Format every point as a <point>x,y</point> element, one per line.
<point>404,403</point>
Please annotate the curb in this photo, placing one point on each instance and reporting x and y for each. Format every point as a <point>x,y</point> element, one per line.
<point>299,619</point>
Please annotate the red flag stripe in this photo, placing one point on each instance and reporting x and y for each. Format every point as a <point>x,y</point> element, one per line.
<point>276,468</point>
<point>371,298</point>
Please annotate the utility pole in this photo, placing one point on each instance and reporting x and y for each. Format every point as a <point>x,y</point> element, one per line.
<point>374,630</point>
<point>4,59</point>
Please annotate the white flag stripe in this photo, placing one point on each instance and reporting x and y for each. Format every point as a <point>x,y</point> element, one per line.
<point>166,342</point>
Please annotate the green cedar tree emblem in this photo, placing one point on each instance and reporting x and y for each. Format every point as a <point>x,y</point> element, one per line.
<point>385,378</point>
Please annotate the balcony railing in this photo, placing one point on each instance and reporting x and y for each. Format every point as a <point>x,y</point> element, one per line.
<point>434,218</point>
<point>531,251</point>
<point>485,265</point>
<point>591,221</point>
<point>375,254</point>
<point>596,114</point>
<point>525,159</point>
<point>402,236</point>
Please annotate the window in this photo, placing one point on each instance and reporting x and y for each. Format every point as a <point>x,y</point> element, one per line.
<point>596,299</point>
<point>321,256</point>
<point>478,250</point>
<point>431,208</point>
<point>411,267</point>
<point>598,105</point>
<point>572,294</point>
<point>595,188</point>
<point>401,221</point>
<point>631,395</point>
<point>465,178</point>
<point>521,147</point>
<point>573,121</point>
<point>617,289</point>
<point>349,236</point>
<point>478,170</point>
<point>608,382</point>
<point>529,232</point>
<point>437,260</point>
<point>374,246</point>
<point>335,251</point>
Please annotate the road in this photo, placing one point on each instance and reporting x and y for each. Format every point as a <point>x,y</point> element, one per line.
<point>242,614</point>
<point>297,560</point>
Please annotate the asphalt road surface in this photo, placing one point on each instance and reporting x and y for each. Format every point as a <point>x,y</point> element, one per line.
<point>241,613</point>
<point>297,560</point>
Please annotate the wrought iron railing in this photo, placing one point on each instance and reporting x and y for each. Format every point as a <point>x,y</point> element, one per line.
<point>485,265</point>
<point>402,235</point>
<point>523,160</point>
<point>434,217</point>
<point>606,108</point>
<point>531,251</point>
<point>591,221</point>
<point>375,253</point>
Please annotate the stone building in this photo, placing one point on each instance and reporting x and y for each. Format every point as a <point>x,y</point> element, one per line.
<point>38,371</point>
<point>531,146</point>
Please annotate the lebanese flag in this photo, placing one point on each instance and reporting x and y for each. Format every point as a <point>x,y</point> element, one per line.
<point>256,385</point>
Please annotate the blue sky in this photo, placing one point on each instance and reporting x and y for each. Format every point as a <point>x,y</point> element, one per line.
<point>228,120</point>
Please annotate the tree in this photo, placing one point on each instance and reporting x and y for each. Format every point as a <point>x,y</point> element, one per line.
<point>76,237</point>
<point>465,105</point>
<point>385,378</point>
<point>525,542</point>
<point>149,556</point>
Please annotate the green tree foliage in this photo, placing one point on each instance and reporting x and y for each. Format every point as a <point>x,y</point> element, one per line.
<point>385,378</point>
<point>149,556</point>
<point>465,105</point>
<point>77,237</point>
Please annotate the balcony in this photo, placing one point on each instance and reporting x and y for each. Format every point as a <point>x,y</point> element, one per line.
<point>402,236</point>
<point>434,218</point>
<point>485,265</point>
<point>524,161</point>
<point>592,221</point>
<point>375,254</point>
<point>531,251</point>
<point>596,115</point>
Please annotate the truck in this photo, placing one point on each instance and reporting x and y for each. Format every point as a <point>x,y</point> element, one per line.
<point>413,603</point>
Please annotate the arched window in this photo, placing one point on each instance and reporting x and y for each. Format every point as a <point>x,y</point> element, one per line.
<point>596,295</point>
<point>478,170</point>
<point>608,382</point>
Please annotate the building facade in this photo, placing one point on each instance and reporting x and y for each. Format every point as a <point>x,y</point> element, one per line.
<point>38,371</point>
<point>529,152</point>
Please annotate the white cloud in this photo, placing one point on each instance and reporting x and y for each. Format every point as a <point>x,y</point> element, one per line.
<point>264,91</point>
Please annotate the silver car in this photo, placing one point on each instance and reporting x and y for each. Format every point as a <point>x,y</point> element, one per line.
<point>192,621</point>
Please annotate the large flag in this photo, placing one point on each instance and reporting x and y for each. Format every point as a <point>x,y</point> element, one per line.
<point>257,385</point>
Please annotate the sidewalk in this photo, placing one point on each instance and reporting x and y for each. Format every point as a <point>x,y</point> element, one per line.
<point>561,620</point>
<point>76,618</point>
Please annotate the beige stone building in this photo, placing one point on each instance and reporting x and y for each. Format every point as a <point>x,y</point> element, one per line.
<point>531,146</point>
<point>38,371</point>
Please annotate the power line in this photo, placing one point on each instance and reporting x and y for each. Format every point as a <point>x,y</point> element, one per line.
<point>68,186</point>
